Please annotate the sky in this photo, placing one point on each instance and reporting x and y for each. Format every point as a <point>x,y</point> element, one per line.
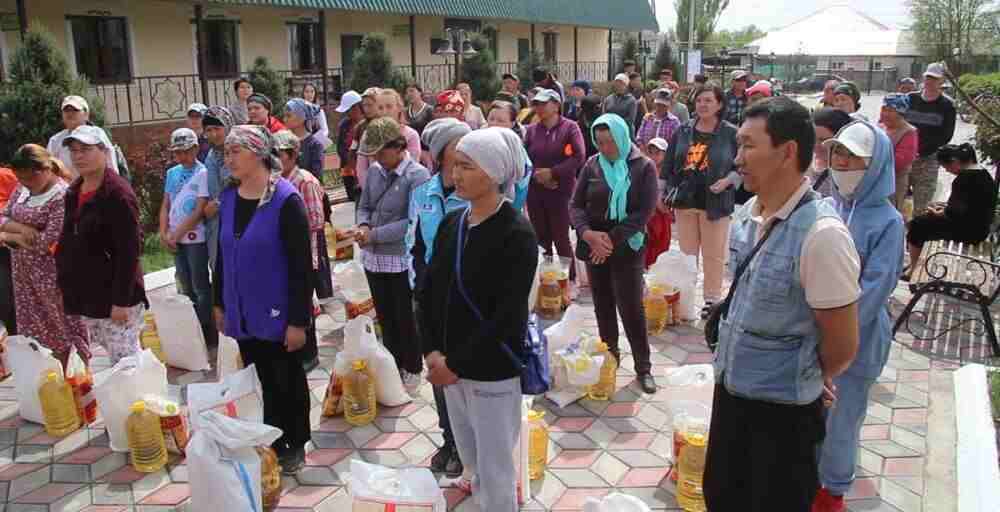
<point>769,14</point>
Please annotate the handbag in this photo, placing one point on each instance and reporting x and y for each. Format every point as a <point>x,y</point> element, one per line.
<point>719,310</point>
<point>533,363</point>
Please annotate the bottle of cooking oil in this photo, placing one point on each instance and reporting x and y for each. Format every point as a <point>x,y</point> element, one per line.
<point>908,207</point>
<point>691,464</point>
<point>270,477</point>
<point>58,406</point>
<point>657,310</point>
<point>550,297</point>
<point>359,394</point>
<point>145,439</point>
<point>538,445</point>
<point>150,337</point>
<point>605,386</point>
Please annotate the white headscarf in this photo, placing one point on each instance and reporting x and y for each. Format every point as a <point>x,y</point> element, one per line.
<point>500,152</point>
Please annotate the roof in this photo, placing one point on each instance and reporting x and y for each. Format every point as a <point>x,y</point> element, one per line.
<point>629,15</point>
<point>838,30</point>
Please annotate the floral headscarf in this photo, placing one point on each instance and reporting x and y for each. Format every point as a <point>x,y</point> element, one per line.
<point>259,141</point>
<point>451,102</point>
<point>303,108</point>
<point>220,114</point>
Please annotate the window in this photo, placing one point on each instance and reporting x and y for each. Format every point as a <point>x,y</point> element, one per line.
<point>101,48</point>
<point>836,65</point>
<point>305,46</point>
<point>877,66</point>
<point>551,47</point>
<point>219,42</point>
<point>523,49</point>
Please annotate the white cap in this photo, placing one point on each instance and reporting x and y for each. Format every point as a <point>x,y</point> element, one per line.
<point>348,100</point>
<point>87,134</point>
<point>659,142</point>
<point>738,74</point>
<point>858,138</point>
<point>76,102</point>
<point>199,108</point>
<point>545,96</point>
<point>183,139</point>
<point>935,70</point>
<point>622,77</point>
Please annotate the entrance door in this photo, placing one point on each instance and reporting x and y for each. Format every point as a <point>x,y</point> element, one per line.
<point>523,49</point>
<point>348,45</point>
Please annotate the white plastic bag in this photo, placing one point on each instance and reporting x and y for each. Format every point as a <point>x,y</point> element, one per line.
<point>228,359</point>
<point>223,465</point>
<point>360,343</point>
<point>238,395</point>
<point>118,388</point>
<point>582,369</point>
<point>565,332</point>
<point>535,281</point>
<point>353,282</point>
<point>674,268</point>
<point>689,391</point>
<point>180,333</point>
<point>615,502</point>
<point>574,369</point>
<point>30,361</point>
<point>375,488</point>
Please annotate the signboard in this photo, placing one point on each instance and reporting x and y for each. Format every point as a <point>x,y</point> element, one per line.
<point>8,22</point>
<point>693,64</point>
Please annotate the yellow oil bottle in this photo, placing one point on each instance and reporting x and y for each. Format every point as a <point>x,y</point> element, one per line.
<point>270,477</point>
<point>538,444</point>
<point>550,297</point>
<point>691,467</point>
<point>359,394</point>
<point>150,337</point>
<point>58,406</point>
<point>657,310</point>
<point>605,386</point>
<point>145,439</point>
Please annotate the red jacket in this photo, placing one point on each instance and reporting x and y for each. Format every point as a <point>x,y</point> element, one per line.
<point>97,259</point>
<point>274,125</point>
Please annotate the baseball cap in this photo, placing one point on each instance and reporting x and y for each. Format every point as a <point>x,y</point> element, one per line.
<point>509,76</point>
<point>371,91</point>
<point>622,77</point>
<point>659,143</point>
<point>857,137</point>
<point>76,102</point>
<point>285,139</point>
<point>761,87</point>
<point>182,139</point>
<point>86,134</point>
<point>663,96</point>
<point>199,108</point>
<point>379,133</point>
<point>908,81</point>
<point>348,100</point>
<point>935,70</point>
<point>849,89</point>
<point>546,95</point>
<point>738,74</point>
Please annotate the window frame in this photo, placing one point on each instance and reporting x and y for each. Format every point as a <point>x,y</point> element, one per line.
<point>553,38</point>
<point>294,41</point>
<point>129,71</point>
<point>227,74</point>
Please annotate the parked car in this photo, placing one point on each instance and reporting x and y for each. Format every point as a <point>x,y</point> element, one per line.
<point>814,83</point>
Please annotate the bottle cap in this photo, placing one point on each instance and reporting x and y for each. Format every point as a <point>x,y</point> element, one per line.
<point>534,415</point>
<point>359,365</point>
<point>172,409</point>
<point>601,346</point>
<point>138,406</point>
<point>51,377</point>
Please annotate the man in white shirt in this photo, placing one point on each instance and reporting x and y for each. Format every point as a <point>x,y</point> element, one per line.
<point>76,112</point>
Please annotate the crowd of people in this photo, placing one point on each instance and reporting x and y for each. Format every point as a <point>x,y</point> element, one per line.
<point>454,205</point>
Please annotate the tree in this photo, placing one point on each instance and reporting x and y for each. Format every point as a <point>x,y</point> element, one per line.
<point>941,27</point>
<point>630,51</point>
<point>527,67</point>
<point>265,80</point>
<point>706,17</point>
<point>732,39</point>
<point>665,59</point>
<point>480,70</point>
<point>372,63</point>
<point>31,103</point>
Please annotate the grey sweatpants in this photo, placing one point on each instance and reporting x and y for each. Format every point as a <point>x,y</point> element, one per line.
<point>486,421</point>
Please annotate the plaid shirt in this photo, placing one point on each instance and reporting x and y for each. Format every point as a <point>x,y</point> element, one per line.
<point>653,127</point>
<point>734,108</point>
<point>383,263</point>
<point>312,195</point>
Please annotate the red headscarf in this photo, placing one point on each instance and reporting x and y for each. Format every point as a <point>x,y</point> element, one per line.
<point>450,102</point>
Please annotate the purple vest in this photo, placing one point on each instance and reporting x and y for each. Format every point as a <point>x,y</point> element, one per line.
<point>255,269</point>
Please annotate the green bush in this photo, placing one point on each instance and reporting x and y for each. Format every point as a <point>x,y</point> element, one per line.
<point>31,103</point>
<point>987,136</point>
<point>149,171</point>
<point>372,64</point>
<point>480,70</point>
<point>267,81</point>
<point>975,85</point>
<point>527,67</point>
<point>630,51</point>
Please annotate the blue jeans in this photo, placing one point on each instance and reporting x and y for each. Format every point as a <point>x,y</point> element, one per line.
<point>191,267</point>
<point>839,451</point>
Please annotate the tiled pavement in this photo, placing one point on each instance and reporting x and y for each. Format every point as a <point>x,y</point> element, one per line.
<point>595,447</point>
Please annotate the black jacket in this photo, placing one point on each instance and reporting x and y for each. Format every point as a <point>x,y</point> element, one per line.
<point>498,267</point>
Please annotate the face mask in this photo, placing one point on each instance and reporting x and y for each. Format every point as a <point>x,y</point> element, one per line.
<point>847,181</point>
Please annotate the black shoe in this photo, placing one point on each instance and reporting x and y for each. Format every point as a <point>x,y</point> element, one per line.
<point>439,462</point>
<point>292,461</point>
<point>706,310</point>
<point>310,365</point>
<point>647,383</point>
<point>454,468</point>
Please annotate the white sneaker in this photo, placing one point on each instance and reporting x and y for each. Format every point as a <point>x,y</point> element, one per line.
<point>411,381</point>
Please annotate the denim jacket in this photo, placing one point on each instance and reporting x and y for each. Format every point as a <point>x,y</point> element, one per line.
<point>721,157</point>
<point>769,341</point>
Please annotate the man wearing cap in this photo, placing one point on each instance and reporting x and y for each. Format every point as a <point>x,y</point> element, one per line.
<point>217,122</point>
<point>259,109</point>
<point>622,102</point>
<point>76,112</point>
<point>847,99</point>
<point>185,195</point>
<point>736,97</point>
<point>195,121</point>
<point>933,113</point>
<point>661,123</point>
<point>352,115</point>
<point>511,84</point>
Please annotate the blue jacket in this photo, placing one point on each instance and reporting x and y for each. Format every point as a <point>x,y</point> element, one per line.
<point>428,206</point>
<point>878,233</point>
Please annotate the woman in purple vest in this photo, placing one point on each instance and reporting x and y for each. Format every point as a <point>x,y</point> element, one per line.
<point>263,296</point>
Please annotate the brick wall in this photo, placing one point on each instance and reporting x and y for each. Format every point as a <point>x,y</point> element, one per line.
<point>135,139</point>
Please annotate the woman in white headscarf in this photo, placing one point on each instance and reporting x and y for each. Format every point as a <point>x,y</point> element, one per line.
<point>475,309</point>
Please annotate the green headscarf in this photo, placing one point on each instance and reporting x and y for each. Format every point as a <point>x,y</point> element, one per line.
<point>616,173</point>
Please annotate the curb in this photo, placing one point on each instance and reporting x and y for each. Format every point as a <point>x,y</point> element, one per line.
<point>976,460</point>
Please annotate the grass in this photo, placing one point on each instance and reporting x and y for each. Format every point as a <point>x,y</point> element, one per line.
<point>155,256</point>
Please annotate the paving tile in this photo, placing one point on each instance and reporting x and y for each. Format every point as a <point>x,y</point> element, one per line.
<point>13,471</point>
<point>326,457</point>
<point>662,446</point>
<point>910,416</point>
<point>900,497</point>
<point>330,440</point>
<point>390,458</point>
<point>88,455</point>
<point>316,476</point>
<point>109,463</point>
<point>912,466</point>
<point>48,493</point>
<point>574,499</point>
<point>632,441</point>
<point>418,448</point>
<point>28,482</point>
<point>575,459</point>
<point>874,432</point>
<point>305,496</point>
<point>870,505</point>
<point>627,425</point>
<point>123,475</point>
<point>870,461</point>
<point>395,425</point>
<point>577,478</point>
<point>913,483</point>
<point>71,473</point>
<point>112,494</point>
<point>74,501</point>
<point>149,484</point>
<point>913,375</point>
<point>104,508</point>
<point>571,425</point>
<point>610,468</point>
<point>889,449</point>
<point>657,498</point>
<point>640,459</point>
<point>27,453</point>
<point>572,441</point>
<point>643,477</point>
<point>863,488</point>
<point>623,410</point>
<point>361,435</point>
<point>909,439</point>
<point>171,494</point>
<point>653,417</point>
<point>334,425</point>
<point>389,441</point>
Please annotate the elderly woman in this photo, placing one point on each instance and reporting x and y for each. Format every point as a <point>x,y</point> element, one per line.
<point>31,224</point>
<point>614,199</point>
<point>263,278</point>
<point>97,257</point>
<point>311,191</point>
<point>904,141</point>
<point>259,109</point>
<point>475,309</point>
<point>700,182</point>
<point>299,116</point>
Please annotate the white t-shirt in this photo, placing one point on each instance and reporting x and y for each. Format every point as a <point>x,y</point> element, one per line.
<point>829,265</point>
<point>184,187</point>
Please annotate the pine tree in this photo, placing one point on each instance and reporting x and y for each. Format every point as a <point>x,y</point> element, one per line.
<point>372,64</point>
<point>527,67</point>
<point>665,59</point>
<point>480,70</point>
<point>630,51</point>
<point>267,81</point>
<point>30,104</point>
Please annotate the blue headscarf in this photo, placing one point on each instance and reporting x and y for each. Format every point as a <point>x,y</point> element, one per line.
<point>616,173</point>
<point>898,102</point>
<point>303,108</point>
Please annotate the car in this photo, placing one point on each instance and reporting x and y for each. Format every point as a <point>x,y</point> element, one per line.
<point>814,83</point>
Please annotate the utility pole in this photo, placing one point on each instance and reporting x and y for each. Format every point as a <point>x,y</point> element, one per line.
<point>691,35</point>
